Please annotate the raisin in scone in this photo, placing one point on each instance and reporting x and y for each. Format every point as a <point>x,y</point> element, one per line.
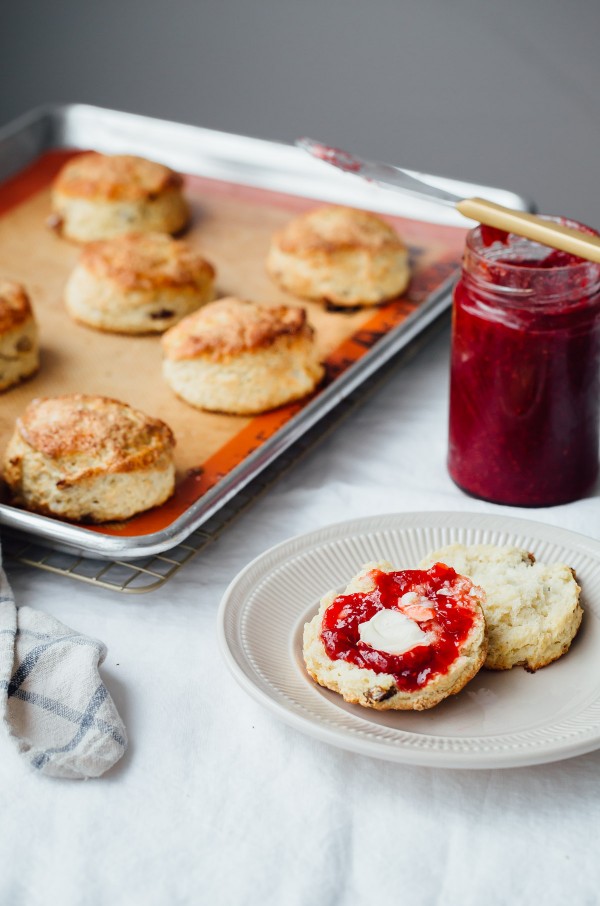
<point>400,640</point>
<point>339,255</point>
<point>531,609</point>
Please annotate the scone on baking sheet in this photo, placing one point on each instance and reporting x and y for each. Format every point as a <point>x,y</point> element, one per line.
<point>400,640</point>
<point>531,609</point>
<point>339,255</point>
<point>241,358</point>
<point>97,196</point>
<point>138,283</point>
<point>19,354</point>
<point>89,459</point>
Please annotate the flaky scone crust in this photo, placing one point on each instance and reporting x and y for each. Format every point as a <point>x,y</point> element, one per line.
<point>89,459</point>
<point>15,307</point>
<point>147,261</point>
<point>115,177</point>
<point>340,256</point>
<point>229,326</point>
<point>99,433</point>
<point>333,228</point>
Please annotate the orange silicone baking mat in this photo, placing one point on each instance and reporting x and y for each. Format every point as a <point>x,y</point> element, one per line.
<point>232,224</point>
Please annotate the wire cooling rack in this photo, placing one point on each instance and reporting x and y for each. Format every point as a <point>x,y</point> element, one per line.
<point>149,574</point>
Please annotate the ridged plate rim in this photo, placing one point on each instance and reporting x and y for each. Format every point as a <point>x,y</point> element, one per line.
<point>258,630</point>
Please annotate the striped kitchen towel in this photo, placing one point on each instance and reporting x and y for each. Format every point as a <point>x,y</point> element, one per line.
<point>52,700</point>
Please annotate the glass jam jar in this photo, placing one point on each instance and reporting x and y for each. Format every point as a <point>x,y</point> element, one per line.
<point>525,371</point>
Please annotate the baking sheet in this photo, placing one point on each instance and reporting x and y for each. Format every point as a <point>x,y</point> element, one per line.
<point>216,454</point>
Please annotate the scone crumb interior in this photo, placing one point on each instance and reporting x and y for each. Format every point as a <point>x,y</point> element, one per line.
<point>532,608</point>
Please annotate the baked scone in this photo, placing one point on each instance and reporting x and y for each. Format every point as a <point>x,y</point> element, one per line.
<point>339,255</point>
<point>89,459</point>
<point>138,283</point>
<point>238,357</point>
<point>401,640</point>
<point>531,609</point>
<point>19,353</point>
<point>97,196</point>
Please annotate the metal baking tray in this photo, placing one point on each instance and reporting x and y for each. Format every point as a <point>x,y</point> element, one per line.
<point>150,573</point>
<point>248,162</point>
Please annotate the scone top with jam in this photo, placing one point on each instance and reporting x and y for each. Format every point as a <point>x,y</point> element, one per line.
<point>411,623</point>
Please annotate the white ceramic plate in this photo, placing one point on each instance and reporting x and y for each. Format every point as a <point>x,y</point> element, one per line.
<point>501,719</point>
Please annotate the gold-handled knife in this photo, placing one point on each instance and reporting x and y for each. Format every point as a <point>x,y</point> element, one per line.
<point>548,232</point>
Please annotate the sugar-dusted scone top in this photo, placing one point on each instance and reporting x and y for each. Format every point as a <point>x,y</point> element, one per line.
<point>240,357</point>
<point>380,691</point>
<point>89,458</point>
<point>532,609</point>
<point>19,354</point>
<point>340,255</point>
<point>96,196</point>
<point>138,283</point>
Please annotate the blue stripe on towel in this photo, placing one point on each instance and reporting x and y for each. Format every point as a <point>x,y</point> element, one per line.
<point>31,659</point>
<point>62,710</point>
<point>87,721</point>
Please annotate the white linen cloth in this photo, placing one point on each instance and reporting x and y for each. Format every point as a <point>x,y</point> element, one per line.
<point>53,703</point>
<point>217,802</point>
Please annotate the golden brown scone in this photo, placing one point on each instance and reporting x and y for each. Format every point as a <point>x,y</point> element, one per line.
<point>339,255</point>
<point>241,358</point>
<point>532,609</point>
<point>19,354</point>
<point>89,458</point>
<point>138,283</point>
<point>433,623</point>
<point>97,196</point>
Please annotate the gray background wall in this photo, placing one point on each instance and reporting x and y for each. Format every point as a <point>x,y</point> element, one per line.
<point>504,92</point>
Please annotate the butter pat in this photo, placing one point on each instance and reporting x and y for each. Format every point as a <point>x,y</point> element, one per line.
<point>392,632</point>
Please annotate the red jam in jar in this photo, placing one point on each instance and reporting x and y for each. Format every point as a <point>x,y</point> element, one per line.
<point>525,372</point>
<point>446,611</point>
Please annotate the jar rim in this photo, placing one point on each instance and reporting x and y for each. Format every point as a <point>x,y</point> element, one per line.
<point>476,245</point>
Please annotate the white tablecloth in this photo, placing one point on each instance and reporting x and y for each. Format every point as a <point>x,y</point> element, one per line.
<point>217,802</point>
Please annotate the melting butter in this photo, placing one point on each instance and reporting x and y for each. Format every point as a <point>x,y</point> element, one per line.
<point>392,632</point>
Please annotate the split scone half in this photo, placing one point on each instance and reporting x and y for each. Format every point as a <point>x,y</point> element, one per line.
<point>241,358</point>
<point>138,283</point>
<point>402,640</point>
<point>89,459</point>
<point>97,196</point>
<point>19,353</point>
<point>342,256</point>
<point>531,609</point>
